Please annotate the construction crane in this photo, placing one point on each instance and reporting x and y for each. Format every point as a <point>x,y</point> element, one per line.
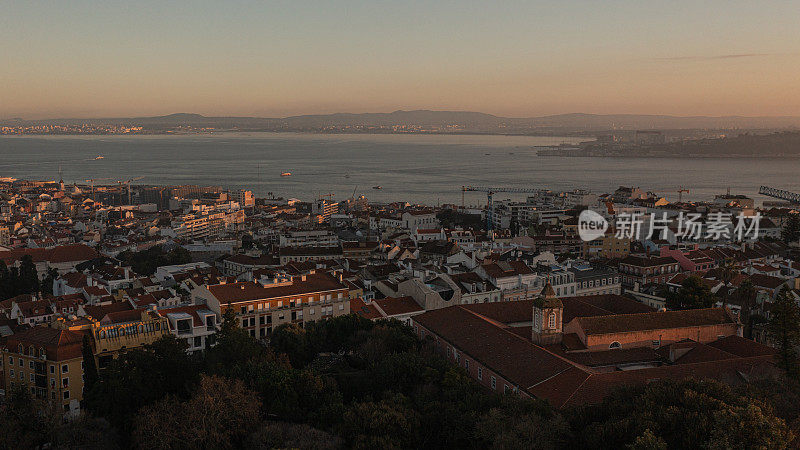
<point>91,183</point>
<point>781,194</point>
<point>491,191</point>
<point>127,184</point>
<point>681,190</point>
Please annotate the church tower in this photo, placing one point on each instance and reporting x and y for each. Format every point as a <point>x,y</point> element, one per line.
<point>548,312</point>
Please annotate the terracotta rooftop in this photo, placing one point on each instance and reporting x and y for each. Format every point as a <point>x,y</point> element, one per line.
<point>622,323</point>
<point>248,291</point>
<point>394,306</point>
<point>60,345</point>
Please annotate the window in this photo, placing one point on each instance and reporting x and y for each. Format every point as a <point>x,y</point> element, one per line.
<point>494,382</point>
<point>551,321</point>
<point>505,389</point>
<point>65,382</point>
<point>66,395</point>
<point>198,341</point>
<point>656,344</point>
<point>466,364</point>
<point>10,360</point>
<point>52,369</point>
<point>480,373</point>
<point>30,365</point>
<point>615,345</point>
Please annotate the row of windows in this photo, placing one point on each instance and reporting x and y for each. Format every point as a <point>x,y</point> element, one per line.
<point>291,303</point>
<point>649,270</point>
<point>453,353</point>
<point>130,330</point>
<point>31,365</point>
<point>600,282</point>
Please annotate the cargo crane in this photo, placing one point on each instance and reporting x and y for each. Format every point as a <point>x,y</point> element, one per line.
<point>127,184</point>
<point>491,191</point>
<point>91,183</point>
<point>792,197</point>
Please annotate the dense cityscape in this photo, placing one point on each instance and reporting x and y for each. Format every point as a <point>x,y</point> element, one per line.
<point>186,316</point>
<point>347,224</point>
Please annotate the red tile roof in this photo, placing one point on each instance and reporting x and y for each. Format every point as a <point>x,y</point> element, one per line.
<point>394,306</point>
<point>59,345</point>
<point>249,291</point>
<point>622,323</point>
<point>60,254</point>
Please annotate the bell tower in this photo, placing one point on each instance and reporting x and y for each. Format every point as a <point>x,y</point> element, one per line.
<point>548,312</point>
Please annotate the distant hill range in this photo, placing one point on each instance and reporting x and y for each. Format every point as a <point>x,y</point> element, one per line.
<point>436,121</point>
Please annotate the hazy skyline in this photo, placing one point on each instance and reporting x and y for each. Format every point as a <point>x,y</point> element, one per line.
<point>514,58</point>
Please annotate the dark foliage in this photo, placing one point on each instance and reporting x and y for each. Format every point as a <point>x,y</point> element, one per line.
<point>147,261</point>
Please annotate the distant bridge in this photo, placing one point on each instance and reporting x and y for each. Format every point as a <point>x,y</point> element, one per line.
<point>780,193</point>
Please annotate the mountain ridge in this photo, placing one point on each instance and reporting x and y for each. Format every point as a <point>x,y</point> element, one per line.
<point>468,120</point>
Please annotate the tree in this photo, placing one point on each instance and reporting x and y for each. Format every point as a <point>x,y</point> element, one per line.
<point>692,294</point>
<point>681,414</point>
<point>272,435</point>
<point>519,423</point>
<point>784,330</point>
<point>28,276</point>
<point>140,377</point>
<point>745,295</point>
<point>389,423</point>
<point>791,230</point>
<point>46,285</point>
<point>26,422</point>
<point>291,340</point>
<point>89,367</point>
<point>648,441</point>
<point>219,414</point>
<point>6,282</point>
<point>147,261</point>
<point>234,348</point>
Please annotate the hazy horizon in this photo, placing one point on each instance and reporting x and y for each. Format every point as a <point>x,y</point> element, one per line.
<point>516,59</point>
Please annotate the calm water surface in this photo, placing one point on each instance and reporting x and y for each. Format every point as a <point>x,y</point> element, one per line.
<point>416,168</point>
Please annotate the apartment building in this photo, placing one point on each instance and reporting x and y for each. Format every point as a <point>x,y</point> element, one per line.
<point>196,324</point>
<point>596,281</point>
<point>647,269</point>
<point>49,361</point>
<point>262,305</point>
<point>317,238</point>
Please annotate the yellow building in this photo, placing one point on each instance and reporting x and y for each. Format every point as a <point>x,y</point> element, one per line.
<point>119,331</point>
<point>49,362</point>
<point>607,246</point>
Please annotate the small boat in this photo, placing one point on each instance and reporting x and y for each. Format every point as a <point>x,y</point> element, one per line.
<point>286,174</point>
<point>98,157</point>
<point>377,187</point>
<point>347,175</point>
<point>487,154</point>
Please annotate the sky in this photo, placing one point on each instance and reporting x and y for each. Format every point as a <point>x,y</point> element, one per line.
<point>511,58</point>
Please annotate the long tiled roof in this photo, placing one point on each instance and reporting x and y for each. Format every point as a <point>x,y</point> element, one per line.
<point>567,379</point>
<point>249,291</point>
<point>623,323</point>
<point>513,357</point>
<point>60,254</point>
